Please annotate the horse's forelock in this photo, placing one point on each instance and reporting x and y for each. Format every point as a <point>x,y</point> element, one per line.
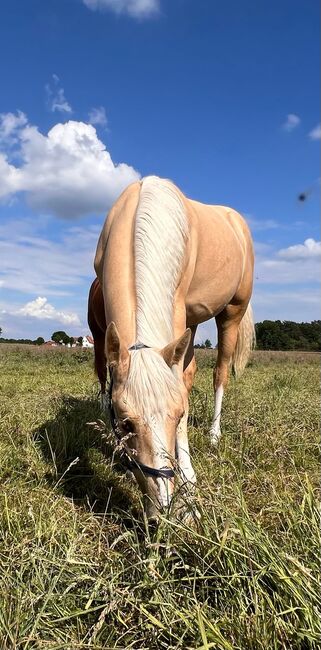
<point>151,385</point>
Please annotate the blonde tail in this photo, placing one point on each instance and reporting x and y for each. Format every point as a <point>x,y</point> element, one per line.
<point>245,342</point>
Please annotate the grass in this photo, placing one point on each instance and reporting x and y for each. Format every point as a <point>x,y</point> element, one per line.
<point>79,567</point>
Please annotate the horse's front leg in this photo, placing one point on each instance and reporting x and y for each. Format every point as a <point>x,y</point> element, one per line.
<point>186,471</point>
<point>185,468</point>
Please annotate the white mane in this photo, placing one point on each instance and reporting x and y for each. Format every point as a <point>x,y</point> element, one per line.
<point>150,384</point>
<point>150,389</point>
<point>161,230</point>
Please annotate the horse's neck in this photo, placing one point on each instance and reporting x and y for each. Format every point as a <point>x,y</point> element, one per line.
<point>161,230</point>
<point>119,284</point>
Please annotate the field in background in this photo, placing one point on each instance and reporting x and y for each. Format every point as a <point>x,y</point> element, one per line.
<point>79,568</point>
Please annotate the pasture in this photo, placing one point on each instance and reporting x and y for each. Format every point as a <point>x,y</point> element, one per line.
<point>79,567</point>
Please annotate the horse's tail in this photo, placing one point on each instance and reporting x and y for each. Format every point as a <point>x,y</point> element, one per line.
<point>245,342</point>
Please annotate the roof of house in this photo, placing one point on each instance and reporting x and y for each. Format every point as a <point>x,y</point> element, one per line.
<point>89,338</point>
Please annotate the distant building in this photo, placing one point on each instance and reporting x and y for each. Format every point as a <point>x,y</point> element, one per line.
<point>87,341</point>
<point>50,344</point>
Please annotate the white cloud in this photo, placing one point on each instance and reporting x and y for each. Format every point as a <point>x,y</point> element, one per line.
<point>10,125</point>
<point>68,173</point>
<point>134,8</point>
<point>9,177</point>
<point>291,122</point>
<point>31,263</point>
<point>295,304</point>
<point>56,99</point>
<point>298,264</point>
<point>310,249</point>
<point>97,116</point>
<point>271,224</point>
<point>262,224</point>
<point>315,134</point>
<point>41,309</point>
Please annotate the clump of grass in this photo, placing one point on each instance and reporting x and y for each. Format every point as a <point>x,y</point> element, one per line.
<point>81,569</point>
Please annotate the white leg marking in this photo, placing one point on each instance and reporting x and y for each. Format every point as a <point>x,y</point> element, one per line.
<point>161,459</point>
<point>215,430</point>
<point>164,491</point>
<point>184,458</point>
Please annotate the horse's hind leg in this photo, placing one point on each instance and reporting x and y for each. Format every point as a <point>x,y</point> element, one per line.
<point>227,322</point>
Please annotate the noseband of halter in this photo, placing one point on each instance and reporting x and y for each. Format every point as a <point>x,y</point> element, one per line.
<point>165,472</point>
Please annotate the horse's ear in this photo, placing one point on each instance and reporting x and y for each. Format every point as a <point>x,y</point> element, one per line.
<point>115,351</point>
<point>174,352</point>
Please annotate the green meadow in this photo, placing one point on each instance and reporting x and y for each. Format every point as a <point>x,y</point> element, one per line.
<point>79,567</point>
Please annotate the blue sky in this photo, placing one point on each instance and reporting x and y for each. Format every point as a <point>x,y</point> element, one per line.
<point>220,97</point>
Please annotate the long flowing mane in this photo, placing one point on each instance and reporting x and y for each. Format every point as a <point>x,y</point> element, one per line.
<point>161,230</point>
<point>150,384</point>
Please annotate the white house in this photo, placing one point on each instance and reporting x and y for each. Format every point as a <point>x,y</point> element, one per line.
<point>87,341</point>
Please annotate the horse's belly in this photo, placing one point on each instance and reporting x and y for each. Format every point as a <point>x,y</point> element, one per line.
<point>210,292</point>
<point>219,266</point>
<point>200,308</point>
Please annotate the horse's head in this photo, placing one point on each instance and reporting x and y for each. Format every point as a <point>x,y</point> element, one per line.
<point>149,399</point>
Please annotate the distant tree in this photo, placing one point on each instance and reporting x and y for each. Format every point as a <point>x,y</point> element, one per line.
<point>60,337</point>
<point>71,340</point>
<point>207,344</point>
<point>39,340</point>
<point>80,338</point>
<point>288,335</point>
<point>22,341</point>
<point>0,330</point>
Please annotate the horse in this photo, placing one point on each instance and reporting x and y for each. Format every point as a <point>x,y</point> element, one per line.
<point>164,264</point>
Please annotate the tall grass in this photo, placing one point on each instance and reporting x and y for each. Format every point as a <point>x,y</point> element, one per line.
<point>79,567</point>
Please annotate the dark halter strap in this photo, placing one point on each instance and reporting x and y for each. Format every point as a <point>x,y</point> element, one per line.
<point>138,346</point>
<point>131,463</point>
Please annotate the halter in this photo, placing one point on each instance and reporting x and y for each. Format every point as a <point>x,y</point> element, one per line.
<point>165,472</point>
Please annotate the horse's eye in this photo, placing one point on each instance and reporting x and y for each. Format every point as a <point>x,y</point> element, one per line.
<point>127,426</point>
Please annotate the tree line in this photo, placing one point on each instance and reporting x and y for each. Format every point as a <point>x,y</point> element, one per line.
<point>60,337</point>
<point>288,335</point>
<point>270,335</point>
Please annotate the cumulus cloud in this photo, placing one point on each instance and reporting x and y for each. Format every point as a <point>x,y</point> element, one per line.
<point>134,8</point>
<point>67,173</point>
<point>98,117</point>
<point>56,100</point>
<point>41,309</point>
<point>10,124</point>
<point>309,249</point>
<point>291,122</point>
<point>315,134</point>
<point>282,267</point>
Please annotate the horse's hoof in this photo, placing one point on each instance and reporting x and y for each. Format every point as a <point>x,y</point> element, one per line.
<point>215,435</point>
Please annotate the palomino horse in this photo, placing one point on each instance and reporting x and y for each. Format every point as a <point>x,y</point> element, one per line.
<point>165,263</point>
